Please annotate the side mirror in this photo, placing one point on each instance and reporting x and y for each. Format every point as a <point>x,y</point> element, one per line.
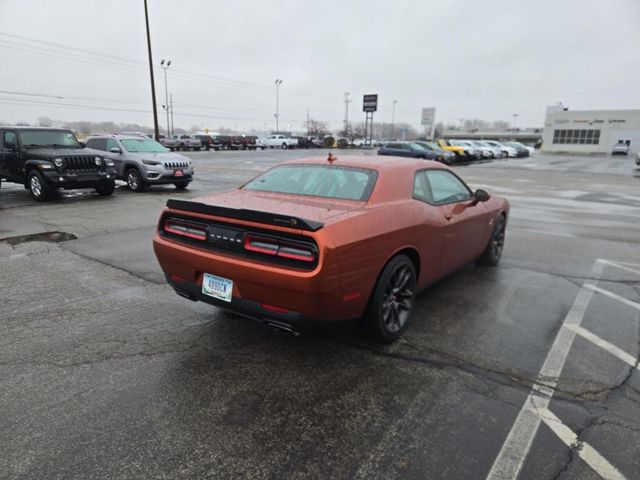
<point>11,145</point>
<point>481,195</point>
<point>82,144</point>
<point>115,150</point>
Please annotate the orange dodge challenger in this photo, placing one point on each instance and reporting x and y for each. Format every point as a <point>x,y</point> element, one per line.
<point>332,239</point>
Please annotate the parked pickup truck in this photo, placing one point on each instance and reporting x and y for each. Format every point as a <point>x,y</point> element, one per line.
<point>277,141</point>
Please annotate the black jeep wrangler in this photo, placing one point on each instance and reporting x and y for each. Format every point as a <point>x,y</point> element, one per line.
<point>45,159</point>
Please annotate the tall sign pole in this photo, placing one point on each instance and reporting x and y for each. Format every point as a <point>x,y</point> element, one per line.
<point>153,84</point>
<point>369,105</point>
<point>428,121</point>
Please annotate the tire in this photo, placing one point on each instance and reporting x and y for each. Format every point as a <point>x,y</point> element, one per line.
<point>39,189</point>
<point>493,251</point>
<point>134,180</point>
<point>181,185</point>
<point>284,146</point>
<point>107,189</point>
<point>392,300</point>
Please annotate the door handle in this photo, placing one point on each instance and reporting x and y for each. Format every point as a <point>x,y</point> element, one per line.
<point>448,216</point>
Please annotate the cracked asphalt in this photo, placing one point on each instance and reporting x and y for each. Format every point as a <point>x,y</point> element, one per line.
<point>106,373</point>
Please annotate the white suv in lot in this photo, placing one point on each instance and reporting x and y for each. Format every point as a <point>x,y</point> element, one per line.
<point>142,162</point>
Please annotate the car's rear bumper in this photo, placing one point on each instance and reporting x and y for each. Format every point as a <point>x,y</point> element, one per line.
<point>260,290</point>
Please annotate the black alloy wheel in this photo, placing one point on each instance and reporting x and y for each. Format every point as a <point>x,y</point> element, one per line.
<point>393,298</point>
<point>492,254</point>
<point>134,180</point>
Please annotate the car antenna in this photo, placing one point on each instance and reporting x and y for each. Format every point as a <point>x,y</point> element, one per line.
<point>331,158</point>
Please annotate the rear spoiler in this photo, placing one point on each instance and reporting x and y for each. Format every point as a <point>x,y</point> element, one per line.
<point>243,214</point>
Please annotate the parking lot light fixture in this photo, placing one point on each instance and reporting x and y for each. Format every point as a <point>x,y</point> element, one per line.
<point>278,83</point>
<point>393,118</point>
<point>165,66</point>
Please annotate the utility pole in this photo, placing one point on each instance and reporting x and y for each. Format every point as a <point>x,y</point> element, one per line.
<point>153,84</point>
<point>278,83</point>
<point>308,133</point>
<point>166,92</point>
<point>515,115</point>
<point>171,108</point>
<point>393,118</point>
<point>346,113</point>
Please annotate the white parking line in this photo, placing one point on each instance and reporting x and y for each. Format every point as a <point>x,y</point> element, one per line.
<point>615,296</point>
<point>596,461</point>
<point>515,449</point>
<point>602,343</point>
<point>622,266</point>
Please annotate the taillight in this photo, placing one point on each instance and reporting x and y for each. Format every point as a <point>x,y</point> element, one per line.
<point>261,245</point>
<point>185,230</point>
<point>296,253</point>
<point>280,248</point>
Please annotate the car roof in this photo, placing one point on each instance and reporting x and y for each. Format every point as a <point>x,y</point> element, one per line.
<point>118,136</point>
<point>26,127</point>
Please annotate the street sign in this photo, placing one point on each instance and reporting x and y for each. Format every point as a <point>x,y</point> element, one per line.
<point>428,116</point>
<point>370,103</point>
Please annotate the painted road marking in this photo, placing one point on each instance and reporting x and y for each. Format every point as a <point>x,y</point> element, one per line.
<point>621,265</point>
<point>615,296</point>
<point>587,453</point>
<point>602,343</point>
<point>515,449</point>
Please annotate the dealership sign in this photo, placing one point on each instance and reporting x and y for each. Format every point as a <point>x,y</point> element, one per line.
<point>428,116</point>
<point>370,103</point>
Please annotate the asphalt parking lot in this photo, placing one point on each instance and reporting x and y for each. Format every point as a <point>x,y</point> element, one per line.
<point>528,370</point>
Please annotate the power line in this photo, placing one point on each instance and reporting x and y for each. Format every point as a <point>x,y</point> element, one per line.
<point>122,63</point>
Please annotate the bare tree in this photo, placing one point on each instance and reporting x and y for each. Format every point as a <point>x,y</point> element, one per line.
<point>44,122</point>
<point>317,127</point>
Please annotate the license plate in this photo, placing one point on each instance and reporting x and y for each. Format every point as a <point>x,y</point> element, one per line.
<point>217,287</point>
<point>178,173</point>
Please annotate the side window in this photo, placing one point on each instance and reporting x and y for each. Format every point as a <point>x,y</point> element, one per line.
<point>10,141</point>
<point>446,187</point>
<point>422,188</point>
<point>111,143</point>
<point>97,143</point>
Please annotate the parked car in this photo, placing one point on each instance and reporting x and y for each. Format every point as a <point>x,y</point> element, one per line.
<point>313,241</point>
<point>443,156</point>
<point>243,142</point>
<point>638,158</point>
<point>46,159</point>
<point>277,141</point>
<point>221,142</point>
<point>306,142</point>
<point>521,150</point>
<point>470,152</point>
<point>461,152</point>
<point>205,140</point>
<point>620,148</point>
<point>497,152</point>
<point>485,150</point>
<point>407,149</point>
<point>171,143</point>
<point>506,150</point>
<point>142,162</point>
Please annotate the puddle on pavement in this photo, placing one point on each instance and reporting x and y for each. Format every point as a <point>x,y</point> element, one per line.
<point>53,237</point>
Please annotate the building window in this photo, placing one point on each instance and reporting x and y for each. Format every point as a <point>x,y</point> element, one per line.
<point>575,137</point>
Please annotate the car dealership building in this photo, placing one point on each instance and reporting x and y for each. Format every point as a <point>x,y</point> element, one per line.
<point>589,131</point>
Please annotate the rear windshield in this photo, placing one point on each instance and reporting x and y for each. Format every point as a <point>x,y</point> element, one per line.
<point>140,145</point>
<point>328,181</point>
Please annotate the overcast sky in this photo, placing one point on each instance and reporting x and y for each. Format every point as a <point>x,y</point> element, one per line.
<point>485,59</point>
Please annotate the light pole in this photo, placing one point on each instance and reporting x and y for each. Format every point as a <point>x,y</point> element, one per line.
<point>393,118</point>
<point>153,83</point>
<point>165,66</point>
<point>515,115</point>
<point>278,83</point>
